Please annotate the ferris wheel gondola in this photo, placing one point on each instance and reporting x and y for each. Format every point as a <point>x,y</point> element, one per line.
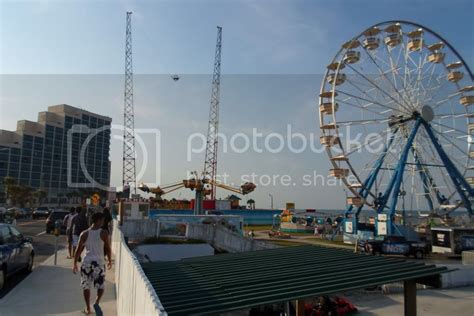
<point>406,95</point>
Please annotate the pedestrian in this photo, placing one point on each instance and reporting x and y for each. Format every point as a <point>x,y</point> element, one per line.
<point>93,240</point>
<point>67,222</point>
<point>79,224</point>
<point>107,219</point>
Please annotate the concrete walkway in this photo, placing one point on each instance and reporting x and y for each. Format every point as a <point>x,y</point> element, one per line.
<point>54,290</point>
<point>434,302</point>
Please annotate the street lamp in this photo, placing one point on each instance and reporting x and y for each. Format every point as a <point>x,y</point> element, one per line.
<point>271,200</point>
<point>345,193</point>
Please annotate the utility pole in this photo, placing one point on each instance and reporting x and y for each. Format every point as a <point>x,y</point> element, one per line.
<point>210,162</point>
<point>128,171</point>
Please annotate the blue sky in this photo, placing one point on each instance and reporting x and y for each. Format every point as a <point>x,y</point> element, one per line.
<point>273,55</point>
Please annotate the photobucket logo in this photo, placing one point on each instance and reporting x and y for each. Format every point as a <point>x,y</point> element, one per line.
<point>295,142</point>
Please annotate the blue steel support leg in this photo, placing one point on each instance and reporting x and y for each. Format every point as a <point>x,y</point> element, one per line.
<point>397,178</point>
<point>424,179</point>
<point>368,183</point>
<point>373,176</point>
<point>463,188</point>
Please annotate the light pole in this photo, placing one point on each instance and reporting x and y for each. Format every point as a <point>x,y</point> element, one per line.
<point>271,200</point>
<point>345,193</point>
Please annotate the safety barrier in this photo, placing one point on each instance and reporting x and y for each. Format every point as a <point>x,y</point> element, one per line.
<point>468,257</point>
<point>224,239</point>
<point>135,295</point>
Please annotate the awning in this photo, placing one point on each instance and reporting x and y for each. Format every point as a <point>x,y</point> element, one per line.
<point>220,283</point>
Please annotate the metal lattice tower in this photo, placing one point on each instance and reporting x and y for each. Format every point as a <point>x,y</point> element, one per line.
<point>210,163</point>
<point>128,172</point>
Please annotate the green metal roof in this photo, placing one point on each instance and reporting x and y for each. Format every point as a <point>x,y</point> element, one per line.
<point>220,283</point>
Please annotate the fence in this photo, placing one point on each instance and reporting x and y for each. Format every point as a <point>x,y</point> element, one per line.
<point>135,295</point>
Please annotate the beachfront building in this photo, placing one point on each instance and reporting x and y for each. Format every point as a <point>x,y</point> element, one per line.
<point>46,154</point>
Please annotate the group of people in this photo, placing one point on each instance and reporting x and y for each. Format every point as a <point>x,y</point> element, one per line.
<point>89,234</point>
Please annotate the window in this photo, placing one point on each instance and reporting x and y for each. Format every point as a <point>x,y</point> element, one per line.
<point>13,173</point>
<point>15,158</point>
<point>5,235</point>
<point>16,233</point>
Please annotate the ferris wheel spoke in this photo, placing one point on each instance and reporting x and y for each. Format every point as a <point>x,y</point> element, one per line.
<point>383,74</point>
<point>394,67</point>
<point>463,151</point>
<point>449,128</point>
<point>368,142</point>
<point>364,122</point>
<point>371,101</point>
<point>365,93</point>
<point>437,88</point>
<point>362,107</point>
<point>419,86</point>
<point>380,89</point>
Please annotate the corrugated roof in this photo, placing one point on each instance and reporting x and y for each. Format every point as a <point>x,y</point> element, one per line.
<point>220,283</point>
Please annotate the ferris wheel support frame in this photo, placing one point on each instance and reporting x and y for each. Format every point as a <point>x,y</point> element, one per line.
<point>393,189</point>
<point>424,179</point>
<point>459,181</point>
<point>368,183</point>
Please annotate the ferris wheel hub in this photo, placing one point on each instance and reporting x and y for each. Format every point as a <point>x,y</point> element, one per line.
<point>427,113</point>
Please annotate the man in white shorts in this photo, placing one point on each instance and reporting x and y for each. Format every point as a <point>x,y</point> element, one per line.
<point>94,240</point>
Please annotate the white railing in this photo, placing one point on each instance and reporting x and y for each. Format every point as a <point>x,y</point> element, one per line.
<point>135,294</point>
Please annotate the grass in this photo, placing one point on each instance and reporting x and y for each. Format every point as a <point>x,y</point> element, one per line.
<point>257,227</point>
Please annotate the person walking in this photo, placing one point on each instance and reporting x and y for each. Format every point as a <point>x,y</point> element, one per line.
<point>68,224</point>
<point>93,241</point>
<point>107,219</point>
<point>79,224</point>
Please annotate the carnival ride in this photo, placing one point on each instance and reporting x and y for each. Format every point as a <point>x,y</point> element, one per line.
<point>206,184</point>
<point>405,95</point>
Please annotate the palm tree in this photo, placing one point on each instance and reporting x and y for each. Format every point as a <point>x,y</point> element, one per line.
<point>20,194</point>
<point>8,183</point>
<point>40,195</point>
<point>60,196</point>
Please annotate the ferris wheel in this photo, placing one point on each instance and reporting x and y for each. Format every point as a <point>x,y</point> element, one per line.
<point>396,118</point>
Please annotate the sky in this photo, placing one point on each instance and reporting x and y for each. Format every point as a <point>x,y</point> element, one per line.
<point>273,57</point>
